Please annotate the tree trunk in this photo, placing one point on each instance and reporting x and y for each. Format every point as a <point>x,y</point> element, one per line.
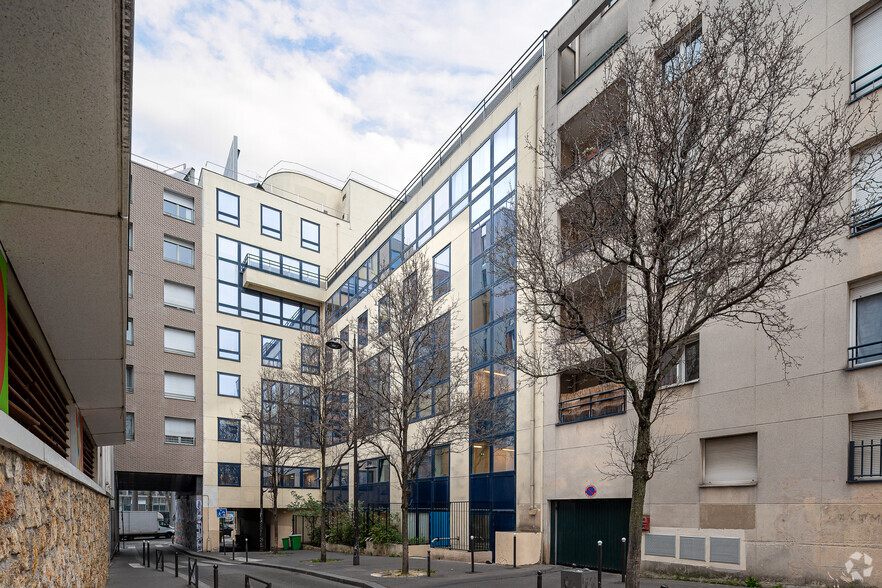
<point>323,498</point>
<point>640,476</point>
<point>275,538</point>
<point>405,543</point>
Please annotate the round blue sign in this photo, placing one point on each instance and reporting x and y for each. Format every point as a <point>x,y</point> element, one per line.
<point>590,491</point>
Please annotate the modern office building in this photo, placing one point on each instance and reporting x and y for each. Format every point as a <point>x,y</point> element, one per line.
<point>163,371</point>
<point>65,86</point>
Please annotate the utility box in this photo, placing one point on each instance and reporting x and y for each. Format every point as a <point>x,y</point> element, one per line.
<point>578,579</point>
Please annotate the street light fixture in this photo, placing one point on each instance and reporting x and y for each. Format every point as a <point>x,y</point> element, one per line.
<point>337,343</point>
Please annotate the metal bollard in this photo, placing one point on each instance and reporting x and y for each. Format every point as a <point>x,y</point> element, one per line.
<point>539,579</point>
<point>215,575</point>
<point>233,541</point>
<point>428,563</point>
<point>176,564</point>
<point>148,554</point>
<point>246,549</point>
<point>472,549</point>
<point>624,557</point>
<point>143,553</point>
<point>514,551</point>
<point>599,564</point>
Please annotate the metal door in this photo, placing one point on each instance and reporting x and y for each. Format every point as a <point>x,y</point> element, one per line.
<point>577,526</point>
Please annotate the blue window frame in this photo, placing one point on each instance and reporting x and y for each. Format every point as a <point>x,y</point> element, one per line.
<point>229,385</point>
<point>229,474</point>
<point>309,359</point>
<point>229,430</point>
<point>441,272</point>
<point>228,344</point>
<point>310,235</point>
<point>227,207</point>
<point>270,222</point>
<point>270,352</point>
<point>291,477</point>
<point>363,329</point>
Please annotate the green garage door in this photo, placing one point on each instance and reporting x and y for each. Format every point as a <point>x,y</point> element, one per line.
<point>577,526</point>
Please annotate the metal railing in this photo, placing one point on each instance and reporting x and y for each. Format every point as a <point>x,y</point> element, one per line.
<point>503,87</point>
<point>298,274</point>
<point>594,66</point>
<point>592,406</point>
<point>250,579</point>
<point>866,83</point>
<point>865,353</point>
<point>865,460</point>
<point>866,219</point>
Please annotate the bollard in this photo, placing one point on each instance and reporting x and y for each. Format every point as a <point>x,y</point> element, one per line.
<point>624,557</point>
<point>539,579</point>
<point>428,563</point>
<point>599,564</point>
<point>472,549</point>
<point>143,553</point>
<point>514,551</point>
<point>233,541</point>
<point>215,575</point>
<point>246,549</point>
<point>148,554</point>
<point>176,564</point>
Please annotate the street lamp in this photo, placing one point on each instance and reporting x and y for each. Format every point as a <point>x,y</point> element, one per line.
<point>337,343</point>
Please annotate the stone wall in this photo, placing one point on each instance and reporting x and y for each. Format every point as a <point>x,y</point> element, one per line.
<point>53,530</point>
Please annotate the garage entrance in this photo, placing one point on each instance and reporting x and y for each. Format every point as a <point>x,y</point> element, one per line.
<point>577,526</point>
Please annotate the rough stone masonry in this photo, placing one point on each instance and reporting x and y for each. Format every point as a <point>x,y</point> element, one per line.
<point>53,530</point>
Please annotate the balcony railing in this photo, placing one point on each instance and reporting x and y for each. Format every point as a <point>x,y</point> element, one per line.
<point>865,461</point>
<point>864,354</point>
<point>594,66</point>
<point>866,219</point>
<point>292,272</point>
<point>595,404</point>
<point>866,83</point>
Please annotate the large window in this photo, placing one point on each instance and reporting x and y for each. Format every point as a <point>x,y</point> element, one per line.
<point>229,474</point>
<point>686,367</point>
<point>270,222</point>
<point>866,195</point>
<point>292,408</point>
<point>865,448</point>
<point>228,385</point>
<point>310,235</point>
<point>730,460</point>
<point>177,206</point>
<point>436,464</point>
<point>179,296</point>
<point>227,207</point>
<point>866,324</point>
<point>493,456</point>
<point>179,341</point>
<point>130,426</point>
<point>291,477</point>
<point>271,352</point>
<point>433,352</point>
<point>228,341</point>
<point>866,52</point>
<point>229,430</point>
<point>178,251</point>
<point>441,272</point>
<point>182,386</point>
<point>309,359</point>
<point>180,431</point>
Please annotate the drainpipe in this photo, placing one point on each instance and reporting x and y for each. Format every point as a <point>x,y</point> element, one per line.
<point>533,508</point>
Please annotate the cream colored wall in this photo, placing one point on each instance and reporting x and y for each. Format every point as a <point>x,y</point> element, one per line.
<point>802,519</point>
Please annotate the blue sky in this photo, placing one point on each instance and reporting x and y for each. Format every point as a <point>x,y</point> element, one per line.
<point>368,86</point>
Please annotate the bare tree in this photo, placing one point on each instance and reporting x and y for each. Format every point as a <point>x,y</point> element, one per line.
<point>270,411</point>
<point>412,386</point>
<point>692,189</point>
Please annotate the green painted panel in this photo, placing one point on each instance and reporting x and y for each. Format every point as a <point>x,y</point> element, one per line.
<point>577,526</point>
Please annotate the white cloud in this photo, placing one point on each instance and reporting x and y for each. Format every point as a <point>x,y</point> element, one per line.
<point>367,86</point>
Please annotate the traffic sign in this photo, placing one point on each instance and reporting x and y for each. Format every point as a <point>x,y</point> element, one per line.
<point>221,513</point>
<point>590,491</point>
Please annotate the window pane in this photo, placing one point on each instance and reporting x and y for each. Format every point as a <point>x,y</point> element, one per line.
<point>424,217</point>
<point>481,162</point>
<point>504,187</point>
<point>481,458</point>
<point>459,183</point>
<point>442,203</point>
<point>481,206</point>
<point>480,238</point>
<point>410,231</point>
<point>227,207</point>
<point>480,311</point>
<point>503,300</point>
<point>868,320</point>
<point>228,430</point>
<point>441,273</point>
<point>503,454</point>
<point>228,385</point>
<point>441,465</point>
<point>227,249</point>
<point>482,275</point>
<point>270,222</point>
<point>691,361</point>
<point>271,352</point>
<point>309,235</point>
<point>504,140</point>
<point>503,379</point>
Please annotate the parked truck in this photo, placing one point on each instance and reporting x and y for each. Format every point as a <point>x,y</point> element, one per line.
<point>143,523</point>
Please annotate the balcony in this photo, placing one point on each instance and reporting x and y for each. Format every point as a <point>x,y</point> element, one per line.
<point>865,220</point>
<point>592,402</point>
<point>300,281</point>
<point>866,83</point>
<point>866,354</point>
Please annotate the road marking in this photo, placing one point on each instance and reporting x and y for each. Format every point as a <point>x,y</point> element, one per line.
<point>134,565</point>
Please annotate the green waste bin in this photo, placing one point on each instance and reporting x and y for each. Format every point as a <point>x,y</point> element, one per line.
<point>286,543</point>
<point>295,542</point>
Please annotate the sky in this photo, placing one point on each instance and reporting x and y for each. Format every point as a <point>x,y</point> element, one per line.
<point>371,86</point>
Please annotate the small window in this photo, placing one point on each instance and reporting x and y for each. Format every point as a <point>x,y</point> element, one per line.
<point>344,335</point>
<point>866,325</point>
<point>383,315</point>
<point>179,296</point>
<point>178,251</point>
<point>229,474</point>
<point>686,368</point>
<point>271,352</point>
<point>683,54</point>
<point>866,52</point>
<point>227,344</point>
<point>130,379</point>
<point>177,206</point>
<point>270,222</point>
<point>309,359</point>
<point>131,284</point>
<point>130,332</point>
<point>363,330</point>
<point>179,341</point>
<point>130,426</point>
<point>131,238</point>
<point>182,386</point>
<point>309,235</point>
<point>229,430</point>
<point>865,457</point>
<point>228,385</point>
<point>227,207</point>
<point>730,460</point>
<point>180,431</point>
<point>441,272</point>
<point>866,194</point>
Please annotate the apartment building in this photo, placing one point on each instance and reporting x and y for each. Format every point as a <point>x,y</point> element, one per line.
<point>64,183</point>
<point>163,371</point>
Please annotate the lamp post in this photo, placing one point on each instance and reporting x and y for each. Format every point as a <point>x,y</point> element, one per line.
<point>338,343</point>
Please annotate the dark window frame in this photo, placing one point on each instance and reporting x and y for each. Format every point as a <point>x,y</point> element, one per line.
<point>269,231</point>
<point>238,351</point>
<point>226,217</point>
<point>234,469</point>
<point>238,387</point>
<point>308,244</point>
<point>264,345</point>
<point>238,438</point>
